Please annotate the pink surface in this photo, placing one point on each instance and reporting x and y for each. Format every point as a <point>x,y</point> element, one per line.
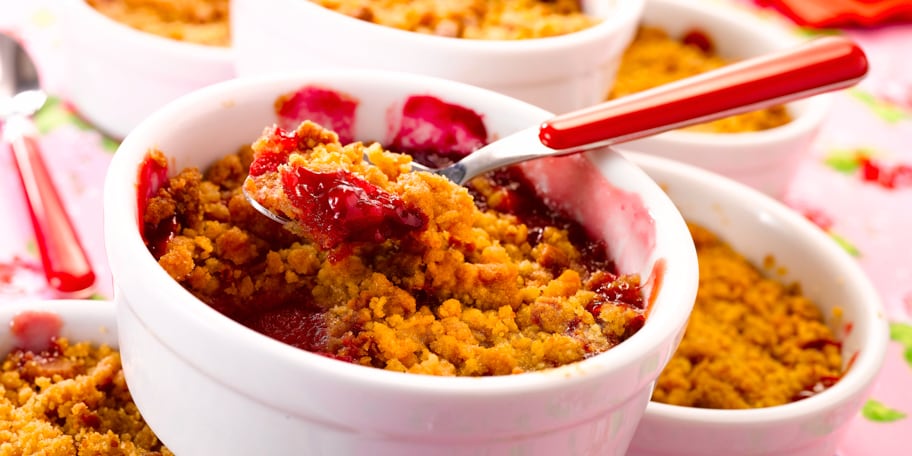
<point>870,124</point>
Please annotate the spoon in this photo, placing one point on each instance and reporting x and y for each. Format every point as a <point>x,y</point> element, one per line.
<point>66,266</point>
<point>811,68</point>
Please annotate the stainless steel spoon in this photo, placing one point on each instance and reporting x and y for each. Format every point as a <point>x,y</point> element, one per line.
<point>66,265</point>
<point>812,68</point>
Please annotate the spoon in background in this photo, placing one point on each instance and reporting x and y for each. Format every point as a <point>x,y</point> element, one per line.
<point>811,68</point>
<point>66,266</point>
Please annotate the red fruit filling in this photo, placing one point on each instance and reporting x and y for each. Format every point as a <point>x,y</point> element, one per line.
<point>278,146</point>
<point>700,40</point>
<point>329,108</point>
<point>339,207</point>
<point>295,326</point>
<point>35,331</point>
<point>153,172</point>
<point>435,132</point>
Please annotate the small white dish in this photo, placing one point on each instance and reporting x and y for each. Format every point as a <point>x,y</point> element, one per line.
<point>758,226</point>
<point>117,75</point>
<point>560,73</point>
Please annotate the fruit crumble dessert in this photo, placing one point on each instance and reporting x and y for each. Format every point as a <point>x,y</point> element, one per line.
<point>66,399</point>
<point>386,267</point>
<point>751,341</point>
<point>471,19</point>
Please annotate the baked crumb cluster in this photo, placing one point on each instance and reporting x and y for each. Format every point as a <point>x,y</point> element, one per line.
<point>193,21</point>
<point>472,19</point>
<point>333,195</point>
<point>654,58</point>
<point>471,292</point>
<point>72,401</point>
<point>751,341</point>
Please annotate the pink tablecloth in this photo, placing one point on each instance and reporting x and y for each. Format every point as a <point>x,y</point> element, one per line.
<point>856,182</point>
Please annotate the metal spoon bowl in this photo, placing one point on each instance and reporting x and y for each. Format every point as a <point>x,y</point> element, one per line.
<point>20,93</point>
<point>812,68</point>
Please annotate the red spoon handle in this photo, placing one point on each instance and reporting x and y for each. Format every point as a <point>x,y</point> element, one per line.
<point>66,265</point>
<point>815,67</point>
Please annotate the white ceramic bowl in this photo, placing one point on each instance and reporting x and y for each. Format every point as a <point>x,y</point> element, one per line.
<point>765,160</point>
<point>230,390</point>
<point>117,75</point>
<point>757,226</point>
<point>559,74</point>
<point>82,320</point>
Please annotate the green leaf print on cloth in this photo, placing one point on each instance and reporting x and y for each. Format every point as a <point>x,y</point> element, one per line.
<point>56,113</point>
<point>902,333</point>
<point>844,161</point>
<point>878,412</point>
<point>887,111</point>
<point>845,244</point>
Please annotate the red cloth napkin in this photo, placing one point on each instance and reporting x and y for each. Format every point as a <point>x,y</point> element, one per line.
<point>842,13</point>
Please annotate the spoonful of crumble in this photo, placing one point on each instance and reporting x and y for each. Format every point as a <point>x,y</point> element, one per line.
<point>335,193</point>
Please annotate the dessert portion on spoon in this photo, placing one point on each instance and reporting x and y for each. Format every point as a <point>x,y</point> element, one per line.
<point>334,200</point>
<point>333,194</point>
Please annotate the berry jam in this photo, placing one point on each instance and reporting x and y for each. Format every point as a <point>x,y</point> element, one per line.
<point>332,109</point>
<point>153,172</point>
<point>36,331</point>
<point>281,143</point>
<point>435,132</point>
<point>340,207</point>
<point>299,327</point>
<point>699,39</point>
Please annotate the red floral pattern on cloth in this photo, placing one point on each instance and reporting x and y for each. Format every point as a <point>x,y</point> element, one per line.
<point>843,13</point>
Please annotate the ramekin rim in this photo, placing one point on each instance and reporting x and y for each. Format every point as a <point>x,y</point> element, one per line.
<point>202,52</point>
<point>630,9</point>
